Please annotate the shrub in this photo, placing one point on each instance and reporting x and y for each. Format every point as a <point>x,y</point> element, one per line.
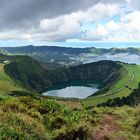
<point>58,122</point>
<point>34,114</point>
<point>18,125</point>
<point>72,117</point>
<point>51,105</point>
<point>14,107</point>
<point>9,134</point>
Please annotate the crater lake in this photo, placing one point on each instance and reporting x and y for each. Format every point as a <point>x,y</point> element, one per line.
<point>74,89</point>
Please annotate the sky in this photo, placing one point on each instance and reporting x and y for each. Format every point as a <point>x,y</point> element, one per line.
<point>70,23</point>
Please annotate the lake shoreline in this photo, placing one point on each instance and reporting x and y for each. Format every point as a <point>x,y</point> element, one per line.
<point>74,89</point>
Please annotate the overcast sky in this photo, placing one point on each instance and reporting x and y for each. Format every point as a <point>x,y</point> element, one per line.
<point>69,20</point>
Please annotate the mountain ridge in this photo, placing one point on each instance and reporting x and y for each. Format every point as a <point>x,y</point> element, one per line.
<point>69,55</point>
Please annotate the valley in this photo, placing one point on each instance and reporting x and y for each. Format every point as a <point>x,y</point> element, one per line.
<point>23,79</point>
<point>26,74</point>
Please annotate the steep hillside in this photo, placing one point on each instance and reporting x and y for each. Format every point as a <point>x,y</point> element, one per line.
<point>27,71</point>
<point>105,71</point>
<point>7,83</point>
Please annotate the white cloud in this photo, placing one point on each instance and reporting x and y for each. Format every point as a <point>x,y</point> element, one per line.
<point>49,25</point>
<point>131,21</point>
<point>134,4</point>
<point>112,26</point>
<point>101,30</point>
<point>12,35</point>
<point>100,11</point>
<point>127,29</point>
<point>68,26</point>
<point>59,28</point>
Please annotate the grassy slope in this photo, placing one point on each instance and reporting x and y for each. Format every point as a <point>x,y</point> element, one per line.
<point>7,84</point>
<point>28,72</point>
<point>25,118</point>
<point>125,92</point>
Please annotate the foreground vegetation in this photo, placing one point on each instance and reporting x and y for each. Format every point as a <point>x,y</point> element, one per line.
<point>44,119</point>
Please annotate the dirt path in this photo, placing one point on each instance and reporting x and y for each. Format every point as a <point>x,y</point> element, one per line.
<point>108,126</point>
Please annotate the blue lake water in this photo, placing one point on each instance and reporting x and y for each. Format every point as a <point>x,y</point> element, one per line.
<point>74,89</point>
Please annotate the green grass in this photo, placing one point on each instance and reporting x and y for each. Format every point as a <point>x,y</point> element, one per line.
<point>126,118</point>
<point>45,119</point>
<point>93,101</point>
<point>7,84</point>
<point>34,119</point>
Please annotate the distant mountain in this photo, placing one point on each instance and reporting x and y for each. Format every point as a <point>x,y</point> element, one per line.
<point>74,56</point>
<point>47,53</point>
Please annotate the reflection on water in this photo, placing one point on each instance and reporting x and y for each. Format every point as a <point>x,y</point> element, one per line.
<point>76,89</point>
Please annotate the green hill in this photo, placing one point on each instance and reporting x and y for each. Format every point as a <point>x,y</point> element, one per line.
<point>27,71</point>
<point>7,83</point>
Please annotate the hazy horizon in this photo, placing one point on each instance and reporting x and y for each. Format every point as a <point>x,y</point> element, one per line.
<point>96,44</point>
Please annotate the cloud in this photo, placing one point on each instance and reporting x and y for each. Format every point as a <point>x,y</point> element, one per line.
<point>24,13</point>
<point>126,29</point>
<point>64,27</point>
<point>61,20</point>
<point>68,26</point>
<point>112,26</point>
<point>134,4</point>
